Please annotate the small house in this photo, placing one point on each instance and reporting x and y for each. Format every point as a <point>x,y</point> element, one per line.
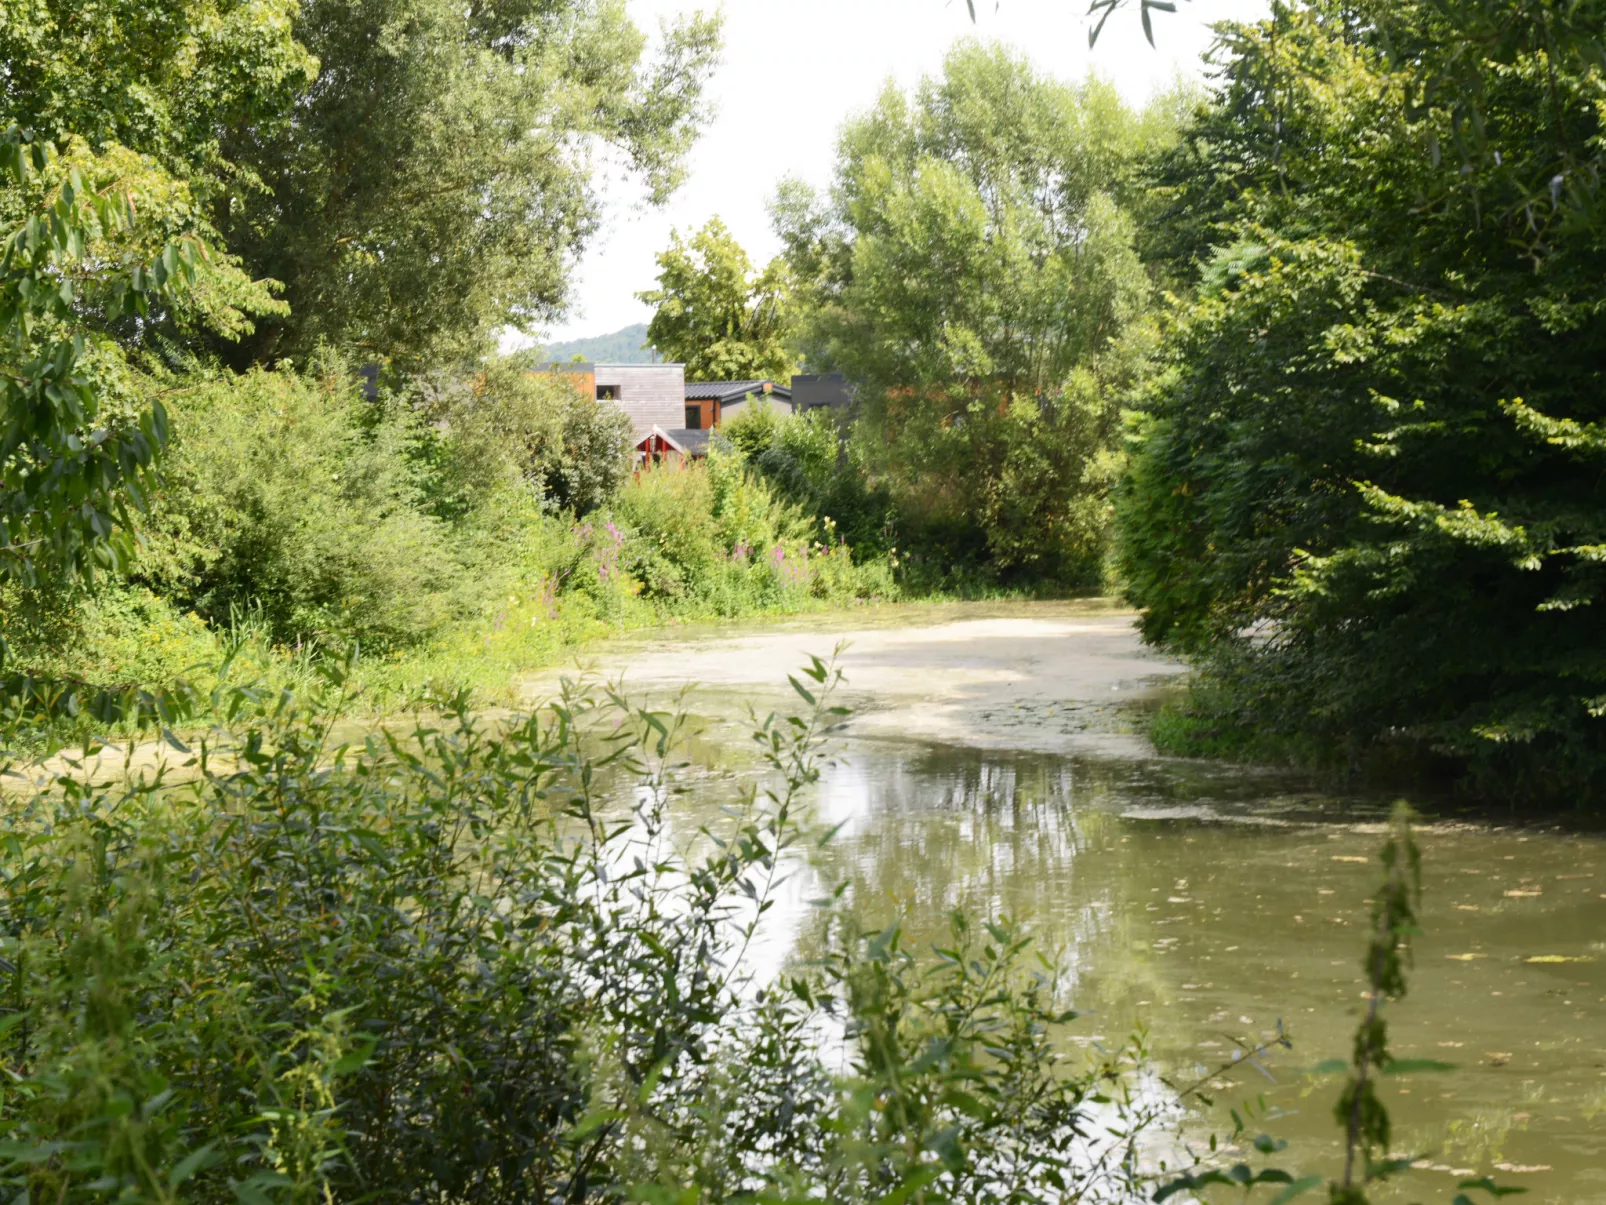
<point>671,417</point>
<point>710,404</point>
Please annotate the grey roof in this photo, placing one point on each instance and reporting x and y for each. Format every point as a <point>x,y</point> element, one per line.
<point>693,443</point>
<point>734,391</point>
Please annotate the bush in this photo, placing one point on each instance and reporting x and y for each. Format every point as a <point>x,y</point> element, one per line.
<point>424,970</point>
<point>963,486</point>
<point>709,536</point>
<point>294,498</point>
<point>807,459</point>
<point>298,517</point>
<point>1368,491</point>
<point>508,420</point>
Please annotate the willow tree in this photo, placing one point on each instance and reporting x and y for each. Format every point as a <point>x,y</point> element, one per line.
<point>973,269</point>
<point>441,175</point>
<point>415,174</point>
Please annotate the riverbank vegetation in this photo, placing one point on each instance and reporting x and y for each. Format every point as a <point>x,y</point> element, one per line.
<point>1322,335</point>
<point>455,534</point>
<point>1365,490</point>
<point>477,959</point>
<point>1324,418</point>
<point>974,270</point>
<point>226,438</point>
<point>1308,365</point>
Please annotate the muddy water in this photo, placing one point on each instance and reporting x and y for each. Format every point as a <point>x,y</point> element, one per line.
<point>996,761</point>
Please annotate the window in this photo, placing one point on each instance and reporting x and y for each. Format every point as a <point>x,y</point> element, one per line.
<point>694,418</point>
<point>607,393</point>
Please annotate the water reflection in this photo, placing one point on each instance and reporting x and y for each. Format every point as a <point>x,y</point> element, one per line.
<point>1206,903</point>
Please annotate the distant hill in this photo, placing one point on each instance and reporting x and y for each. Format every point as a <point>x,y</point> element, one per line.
<point>621,347</point>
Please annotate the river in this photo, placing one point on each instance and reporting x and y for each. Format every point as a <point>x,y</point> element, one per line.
<point>995,759</point>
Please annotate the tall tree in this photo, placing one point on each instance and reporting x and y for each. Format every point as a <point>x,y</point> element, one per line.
<point>973,269</point>
<point>147,92</point>
<point>167,78</point>
<point>1376,441</point>
<point>104,249</point>
<point>439,178</point>
<point>415,173</point>
<point>975,228</point>
<point>715,315</point>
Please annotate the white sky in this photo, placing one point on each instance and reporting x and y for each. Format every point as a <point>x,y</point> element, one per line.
<point>793,70</point>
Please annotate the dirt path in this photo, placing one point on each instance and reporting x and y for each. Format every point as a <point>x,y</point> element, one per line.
<point>1044,677</point>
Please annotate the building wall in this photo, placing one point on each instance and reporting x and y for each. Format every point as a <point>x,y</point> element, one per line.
<point>649,393</point>
<point>708,414</point>
<point>582,372</point>
<point>830,390</point>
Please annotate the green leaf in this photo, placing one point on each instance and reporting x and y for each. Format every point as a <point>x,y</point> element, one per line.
<point>912,1183</point>
<point>594,1121</point>
<point>193,1162</point>
<point>355,1059</point>
<point>1302,1185</point>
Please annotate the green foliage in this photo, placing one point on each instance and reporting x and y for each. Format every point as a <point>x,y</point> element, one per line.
<point>715,316</point>
<point>179,80</point>
<point>80,435</point>
<point>416,173</point>
<point>508,422</point>
<point>439,178</point>
<point>1367,1127</point>
<point>1371,442</point>
<point>424,968</point>
<point>973,231</point>
<point>297,516</point>
<point>291,498</point>
<point>1017,484</point>
<point>809,460</point>
<point>974,271</point>
<point>69,482</point>
<point>104,252</point>
<point>714,537</point>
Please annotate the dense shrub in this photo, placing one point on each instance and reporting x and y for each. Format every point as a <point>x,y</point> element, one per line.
<point>299,516</point>
<point>714,536</point>
<point>294,497</point>
<point>423,970</point>
<point>810,460</point>
<point>333,517</point>
<point>1013,488</point>
<point>1367,490</point>
<point>573,451</point>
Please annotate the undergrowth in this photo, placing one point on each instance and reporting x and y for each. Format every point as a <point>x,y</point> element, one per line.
<point>475,962</point>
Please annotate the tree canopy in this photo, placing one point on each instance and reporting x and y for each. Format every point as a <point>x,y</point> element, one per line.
<point>442,174</point>
<point>973,268</point>
<point>174,79</point>
<point>716,315</point>
<point>975,229</point>
<point>415,174</point>
<point>1369,486</point>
